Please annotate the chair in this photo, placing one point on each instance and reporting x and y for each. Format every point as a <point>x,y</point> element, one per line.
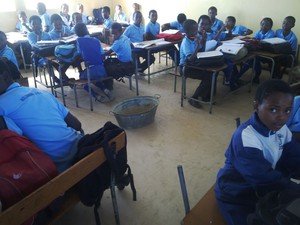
<point>91,53</point>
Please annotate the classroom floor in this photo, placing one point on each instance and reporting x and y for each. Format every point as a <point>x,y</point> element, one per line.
<point>179,135</point>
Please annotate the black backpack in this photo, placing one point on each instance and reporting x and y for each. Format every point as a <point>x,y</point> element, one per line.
<point>277,208</point>
<point>98,18</point>
<point>113,172</point>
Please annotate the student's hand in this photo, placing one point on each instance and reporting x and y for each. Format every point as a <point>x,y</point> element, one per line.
<point>198,40</point>
<point>203,35</point>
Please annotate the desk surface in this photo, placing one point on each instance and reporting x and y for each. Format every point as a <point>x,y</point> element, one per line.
<point>16,37</point>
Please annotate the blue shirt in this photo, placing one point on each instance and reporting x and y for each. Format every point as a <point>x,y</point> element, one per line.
<point>177,25</point>
<point>12,126</point>
<point>239,29</point>
<point>153,28</point>
<point>46,21</point>
<point>291,38</point>
<point>260,36</point>
<point>22,28</point>
<point>9,54</point>
<point>84,19</point>
<point>56,35</point>
<point>216,26</point>
<point>33,38</point>
<point>187,48</point>
<point>294,121</point>
<point>122,48</point>
<point>120,18</point>
<point>258,161</point>
<point>135,33</point>
<point>41,118</point>
<point>107,23</point>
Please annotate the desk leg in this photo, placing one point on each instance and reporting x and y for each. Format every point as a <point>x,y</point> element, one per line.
<point>23,57</point>
<point>183,86</point>
<point>252,74</point>
<point>136,75</point>
<point>148,56</point>
<point>175,77</point>
<point>292,65</point>
<point>212,89</point>
<point>61,84</point>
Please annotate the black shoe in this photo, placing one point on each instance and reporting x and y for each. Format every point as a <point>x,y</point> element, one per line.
<point>194,103</point>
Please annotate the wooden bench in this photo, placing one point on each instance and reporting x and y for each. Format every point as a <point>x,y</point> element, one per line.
<point>205,212</point>
<point>63,183</point>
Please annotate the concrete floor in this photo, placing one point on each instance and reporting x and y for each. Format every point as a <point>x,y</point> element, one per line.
<point>183,136</point>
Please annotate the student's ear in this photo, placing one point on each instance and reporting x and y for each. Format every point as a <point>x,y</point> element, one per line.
<point>255,105</point>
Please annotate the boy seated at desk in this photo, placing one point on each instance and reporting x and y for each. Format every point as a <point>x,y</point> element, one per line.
<point>107,23</point>
<point>216,24</point>
<point>122,65</point>
<point>135,33</point>
<point>191,44</point>
<point>23,25</point>
<point>6,52</point>
<point>177,25</point>
<point>59,29</point>
<point>46,21</point>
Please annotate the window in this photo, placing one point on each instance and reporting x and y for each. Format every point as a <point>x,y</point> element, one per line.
<point>7,6</point>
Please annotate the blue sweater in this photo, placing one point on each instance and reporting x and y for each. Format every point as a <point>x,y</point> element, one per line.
<point>258,160</point>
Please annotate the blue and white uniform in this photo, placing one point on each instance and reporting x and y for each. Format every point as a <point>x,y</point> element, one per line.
<point>122,48</point>
<point>135,33</point>
<point>240,30</point>
<point>294,121</point>
<point>107,23</point>
<point>216,26</point>
<point>33,38</point>
<point>177,25</point>
<point>258,161</point>
<point>153,28</point>
<point>9,54</point>
<point>41,118</point>
<point>56,35</point>
<point>260,36</point>
<point>46,21</point>
<point>291,38</point>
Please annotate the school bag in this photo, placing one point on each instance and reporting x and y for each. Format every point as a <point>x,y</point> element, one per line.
<point>117,69</point>
<point>23,168</point>
<point>276,45</point>
<point>114,169</point>
<point>98,18</point>
<point>277,208</point>
<point>66,53</point>
<point>171,37</point>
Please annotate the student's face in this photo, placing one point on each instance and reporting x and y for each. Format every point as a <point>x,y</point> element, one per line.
<point>57,25</point>
<point>65,9</point>
<point>3,41</point>
<point>22,18</point>
<point>192,32</point>
<point>78,19</point>
<point>275,110</point>
<point>287,25</point>
<point>80,9</point>
<point>118,9</point>
<point>36,26</point>
<point>41,9</point>
<point>137,18</point>
<point>153,17</point>
<point>115,34</point>
<point>105,14</point>
<point>212,14</point>
<point>204,25</point>
<point>265,26</point>
<point>135,7</point>
<point>229,24</point>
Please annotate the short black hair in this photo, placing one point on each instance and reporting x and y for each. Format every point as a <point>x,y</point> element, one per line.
<point>152,11</point>
<point>188,24</point>
<point>232,18</point>
<point>21,13</point>
<point>116,26</point>
<point>81,29</point>
<point>34,17</point>
<point>55,17</point>
<point>106,8</point>
<point>75,14</point>
<point>268,19</point>
<point>204,17</point>
<point>181,18</point>
<point>3,34</point>
<point>213,8</point>
<point>9,67</point>
<point>267,88</point>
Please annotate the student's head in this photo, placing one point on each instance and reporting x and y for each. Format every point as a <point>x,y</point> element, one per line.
<point>191,28</point>
<point>153,15</point>
<point>81,30</point>
<point>105,12</point>
<point>181,18</point>
<point>116,30</point>
<point>35,23</point>
<point>212,12</point>
<point>273,103</point>
<point>288,23</point>
<point>266,24</point>
<point>57,22</point>
<point>80,8</point>
<point>230,22</point>
<point>76,17</point>
<point>41,8</point>
<point>135,7</point>
<point>3,40</point>
<point>118,9</point>
<point>5,76</point>
<point>22,16</point>
<point>204,23</point>
<point>64,9</point>
<point>137,18</point>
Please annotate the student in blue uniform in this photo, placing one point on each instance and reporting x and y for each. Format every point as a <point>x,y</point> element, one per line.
<point>106,16</point>
<point>153,27</point>
<point>286,33</point>
<point>234,29</point>
<point>46,21</point>
<point>6,52</point>
<point>262,155</point>
<point>294,121</point>
<point>191,44</point>
<point>177,25</point>
<point>23,25</point>
<point>135,33</point>
<point>216,24</point>
<point>59,29</point>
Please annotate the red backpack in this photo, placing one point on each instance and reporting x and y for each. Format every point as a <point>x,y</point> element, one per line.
<point>23,168</point>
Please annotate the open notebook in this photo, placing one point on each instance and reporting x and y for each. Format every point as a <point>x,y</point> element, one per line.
<point>145,44</point>
<point>208,54</point>
<point>274,41</point>
<point>230,48</point>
